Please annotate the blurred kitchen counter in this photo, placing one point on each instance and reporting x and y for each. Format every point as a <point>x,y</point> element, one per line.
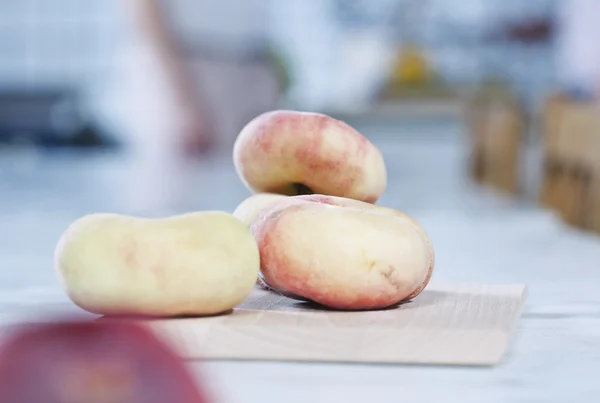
<point>479,236</point>
<point>427,102</point>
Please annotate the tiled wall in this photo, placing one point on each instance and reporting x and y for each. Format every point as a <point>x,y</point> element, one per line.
<point>56,42</point>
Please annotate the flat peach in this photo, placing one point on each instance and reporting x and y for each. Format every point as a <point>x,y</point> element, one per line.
<point>342,253</point>
<point>292,153</point>
<point>249,209</point>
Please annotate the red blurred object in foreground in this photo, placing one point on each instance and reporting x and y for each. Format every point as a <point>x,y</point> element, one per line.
<point>92,362</point>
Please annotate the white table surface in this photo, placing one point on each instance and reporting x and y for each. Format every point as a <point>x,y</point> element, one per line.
<point>479,237</point>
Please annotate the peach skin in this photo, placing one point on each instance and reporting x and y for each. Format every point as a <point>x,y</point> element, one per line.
<point>295,153</point>
<point>341,253</point>
<point>200,263</point>
<point>249,209</point>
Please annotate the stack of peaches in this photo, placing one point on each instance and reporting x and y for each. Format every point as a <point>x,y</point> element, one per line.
<point>311,231</point>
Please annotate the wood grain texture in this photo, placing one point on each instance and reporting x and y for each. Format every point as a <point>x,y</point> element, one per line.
<point>466,324</point>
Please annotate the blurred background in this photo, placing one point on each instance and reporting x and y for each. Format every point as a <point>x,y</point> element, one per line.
<point>485,112</point>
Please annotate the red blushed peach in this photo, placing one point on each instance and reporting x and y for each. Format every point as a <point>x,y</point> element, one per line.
<point>92,362</point>
<point>292,153</point>
<point>345,202</point>
<point>342,253</point>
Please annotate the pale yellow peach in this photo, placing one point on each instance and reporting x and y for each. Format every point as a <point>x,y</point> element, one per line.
<point>247,210</point>
<point>193,264</point>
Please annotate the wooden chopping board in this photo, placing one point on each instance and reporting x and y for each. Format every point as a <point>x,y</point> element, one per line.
<point>453,324</point>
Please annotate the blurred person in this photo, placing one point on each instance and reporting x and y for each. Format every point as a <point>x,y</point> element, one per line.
<point>198,72</point>
<point>189,75</point>
<point>210,61</point>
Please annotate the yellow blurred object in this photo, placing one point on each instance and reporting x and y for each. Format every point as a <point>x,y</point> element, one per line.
<point>411,67</point>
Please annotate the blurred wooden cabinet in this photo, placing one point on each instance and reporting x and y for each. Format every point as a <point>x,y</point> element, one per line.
<point>571,172</point>
<point>570,134</point>
<point>496,128</point>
